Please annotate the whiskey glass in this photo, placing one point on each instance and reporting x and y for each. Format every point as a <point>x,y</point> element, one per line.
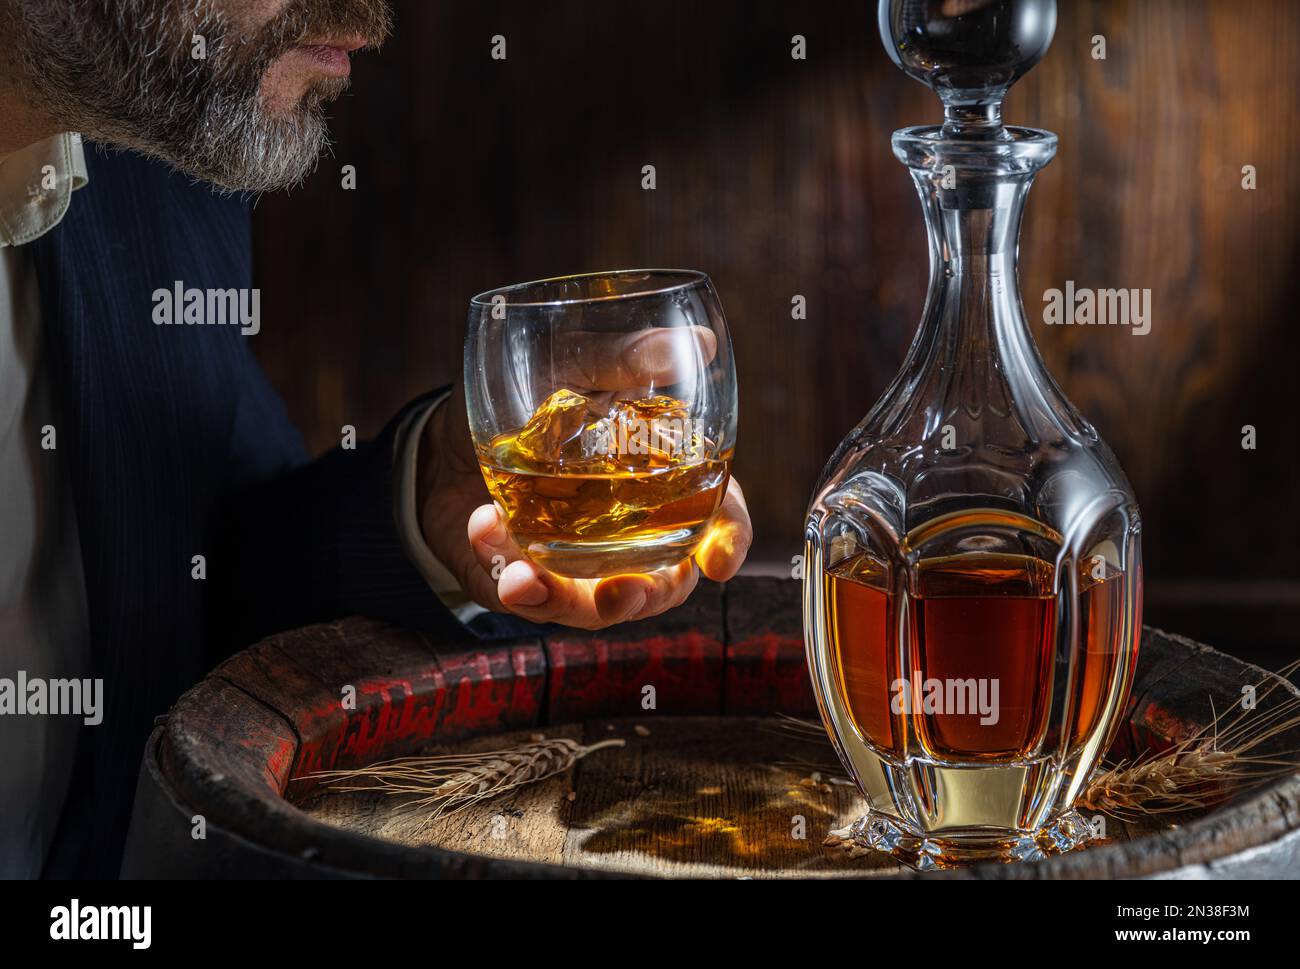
<point>603,412</point>
<point>973,582</point>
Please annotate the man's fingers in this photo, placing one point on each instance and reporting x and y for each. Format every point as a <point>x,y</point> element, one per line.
<point>723,550</point>
<point>657,357</point>
<point>521,587</point>
<point>506,580</point>
<point>540,596</point>
<point>490,540</point>
<point>494,550</point>
<point>532,593</point>
<point>626,598</point>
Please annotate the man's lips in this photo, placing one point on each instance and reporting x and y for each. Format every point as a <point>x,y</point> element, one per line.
<point>331,55</point>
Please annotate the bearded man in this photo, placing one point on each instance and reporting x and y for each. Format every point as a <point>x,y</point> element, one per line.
<point>156,505</point>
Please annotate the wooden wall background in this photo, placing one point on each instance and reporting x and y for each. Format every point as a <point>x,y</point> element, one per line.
<point>776,177</point>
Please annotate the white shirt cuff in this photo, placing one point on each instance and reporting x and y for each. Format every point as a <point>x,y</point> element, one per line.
<point>440,579</point>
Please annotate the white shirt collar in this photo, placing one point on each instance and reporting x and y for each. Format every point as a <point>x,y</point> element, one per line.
<point>36,186</point>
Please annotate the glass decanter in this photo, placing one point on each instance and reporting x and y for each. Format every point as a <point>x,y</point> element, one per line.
<point>973,579</point>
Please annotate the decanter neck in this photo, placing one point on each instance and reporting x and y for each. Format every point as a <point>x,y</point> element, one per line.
<point>974,232</point>
<point>973,354</point>
<point>973,193</point>
<point>971,228</point>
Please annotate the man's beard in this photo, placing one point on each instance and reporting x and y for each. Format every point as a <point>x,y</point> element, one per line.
<point>124,71</point>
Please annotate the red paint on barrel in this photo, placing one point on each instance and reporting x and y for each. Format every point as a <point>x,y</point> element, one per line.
<point>592,676</point>
<point>766,674</point>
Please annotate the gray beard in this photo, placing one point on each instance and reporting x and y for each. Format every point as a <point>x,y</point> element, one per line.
<point>122,71</point>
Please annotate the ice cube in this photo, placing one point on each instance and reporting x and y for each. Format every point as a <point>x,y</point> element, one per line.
<point>597,439</point>
<point>653,430</point>
<point>556,424</point>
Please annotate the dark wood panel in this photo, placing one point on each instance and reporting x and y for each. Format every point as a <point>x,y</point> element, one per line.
<point>776,177</point>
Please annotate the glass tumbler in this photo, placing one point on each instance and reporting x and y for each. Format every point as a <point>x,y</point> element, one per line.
<point>603,412</point>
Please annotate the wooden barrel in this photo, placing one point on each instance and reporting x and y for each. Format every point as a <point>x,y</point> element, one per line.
<point>709,781</point>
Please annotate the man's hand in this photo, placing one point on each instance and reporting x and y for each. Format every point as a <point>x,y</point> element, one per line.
<point>465,532</point>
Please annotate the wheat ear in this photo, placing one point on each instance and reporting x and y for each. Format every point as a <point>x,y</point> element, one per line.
<point>447,783</point>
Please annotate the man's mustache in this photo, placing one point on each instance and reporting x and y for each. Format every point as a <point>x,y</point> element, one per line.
<point>316,21</point>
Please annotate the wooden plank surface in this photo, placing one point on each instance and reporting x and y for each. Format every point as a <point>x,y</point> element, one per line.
<point>687,797</point>
<point>702,796</point>
<point>705,797</point>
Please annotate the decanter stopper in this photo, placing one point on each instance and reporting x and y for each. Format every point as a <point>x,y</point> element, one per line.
<point>969,51</point>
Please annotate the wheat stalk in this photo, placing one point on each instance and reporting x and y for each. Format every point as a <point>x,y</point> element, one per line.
<point>448,783</point>
<point>1206,767</point>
